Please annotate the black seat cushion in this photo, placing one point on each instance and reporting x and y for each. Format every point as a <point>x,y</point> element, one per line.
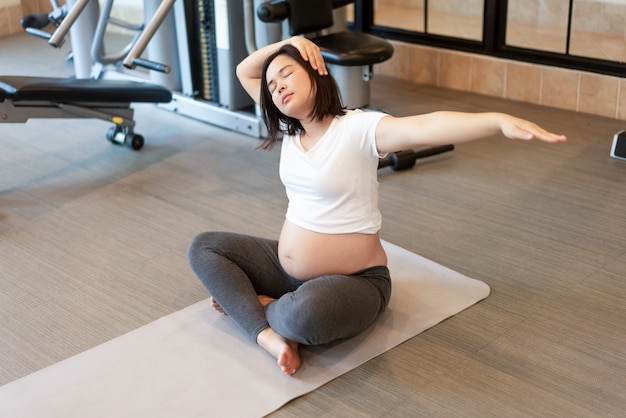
<point>67,90</point>
<point>353,48</point>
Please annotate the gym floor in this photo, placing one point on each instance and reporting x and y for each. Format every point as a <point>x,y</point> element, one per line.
<point>93,242</point>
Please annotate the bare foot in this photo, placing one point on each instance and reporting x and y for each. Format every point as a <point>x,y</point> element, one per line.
<point>262,298</point>
<point>265,300</point>
<point>285,351</point>
<point>217,307</point>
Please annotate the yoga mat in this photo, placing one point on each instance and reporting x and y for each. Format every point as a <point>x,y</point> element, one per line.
<point>196,363</point>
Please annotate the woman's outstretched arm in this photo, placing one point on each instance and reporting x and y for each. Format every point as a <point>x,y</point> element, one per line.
<point>249,70</point>
<point>440,128</point>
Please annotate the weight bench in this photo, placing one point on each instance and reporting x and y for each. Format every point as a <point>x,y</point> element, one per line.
<point>23,98</point>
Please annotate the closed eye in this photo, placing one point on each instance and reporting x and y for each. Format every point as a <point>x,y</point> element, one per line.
<point>284,72</point>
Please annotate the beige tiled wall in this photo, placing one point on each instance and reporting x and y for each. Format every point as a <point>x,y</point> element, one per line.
<point>550,86</point>
<point>10,16</point>
<point>11,12</point>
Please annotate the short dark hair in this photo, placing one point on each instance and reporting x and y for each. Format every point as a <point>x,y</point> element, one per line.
<point>327,99</point>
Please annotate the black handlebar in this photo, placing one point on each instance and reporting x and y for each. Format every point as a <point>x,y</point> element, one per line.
<point>278,10</point>
<point>273,11</point>
<point>151,65</point>
<point>35,21</point>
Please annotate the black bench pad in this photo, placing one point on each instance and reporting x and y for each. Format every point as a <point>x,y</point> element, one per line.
<point>353,48</point>
<point>67,90</point>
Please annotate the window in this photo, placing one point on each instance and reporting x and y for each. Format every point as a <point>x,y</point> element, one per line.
<point>455,18</point>
<point>587,35</point>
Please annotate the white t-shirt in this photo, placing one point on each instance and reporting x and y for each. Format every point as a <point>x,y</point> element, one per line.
<point>333,187</point>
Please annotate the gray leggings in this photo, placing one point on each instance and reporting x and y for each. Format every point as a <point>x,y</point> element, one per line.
<point>236,268</point>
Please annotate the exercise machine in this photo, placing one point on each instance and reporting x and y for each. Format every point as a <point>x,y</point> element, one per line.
<point>211,40</point>
<point>24,98</point>
<point>194,54</point>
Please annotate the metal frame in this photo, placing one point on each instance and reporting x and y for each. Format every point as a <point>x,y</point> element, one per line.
<point>119,113</point>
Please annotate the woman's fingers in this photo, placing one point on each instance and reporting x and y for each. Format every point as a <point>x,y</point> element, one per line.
<point>310,52</point>
<point>516,128</point>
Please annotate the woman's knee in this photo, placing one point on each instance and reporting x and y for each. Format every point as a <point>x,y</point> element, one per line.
<point>318,316</point>
<point>203,250</point>
<point>210,241</point>
<point>300,325</point>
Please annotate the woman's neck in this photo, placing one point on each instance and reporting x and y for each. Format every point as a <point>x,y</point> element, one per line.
<point>314,130</point>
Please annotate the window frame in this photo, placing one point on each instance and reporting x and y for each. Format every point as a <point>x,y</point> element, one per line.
<point>493,41</point>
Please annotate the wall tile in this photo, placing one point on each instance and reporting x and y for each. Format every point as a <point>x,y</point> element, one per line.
<point>398,65</point>
<point>487,76</point>
<point>455,70</point>
<point>559,88</point>
<point>36,6</point>
<point>423,65</point>
<point>523,82</point>
<point>15,16</point>
<point>4,22</point>
<point>598,94</point>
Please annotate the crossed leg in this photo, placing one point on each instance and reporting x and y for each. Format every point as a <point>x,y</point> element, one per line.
<point>237,268</point>
<point>285,351</point>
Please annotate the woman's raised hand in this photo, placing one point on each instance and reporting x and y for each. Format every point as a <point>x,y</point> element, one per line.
<point>310,53</point>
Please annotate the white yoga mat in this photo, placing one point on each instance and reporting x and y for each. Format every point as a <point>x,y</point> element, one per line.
<point>196,363</point>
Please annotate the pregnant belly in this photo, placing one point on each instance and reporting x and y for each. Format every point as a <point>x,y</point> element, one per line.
<point>306,254</point>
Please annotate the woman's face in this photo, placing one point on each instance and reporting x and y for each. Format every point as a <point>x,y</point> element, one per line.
<point>290,87</point>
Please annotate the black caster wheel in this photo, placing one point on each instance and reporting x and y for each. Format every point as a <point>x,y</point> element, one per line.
<point>134,141</point>
<point>111,134</point>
